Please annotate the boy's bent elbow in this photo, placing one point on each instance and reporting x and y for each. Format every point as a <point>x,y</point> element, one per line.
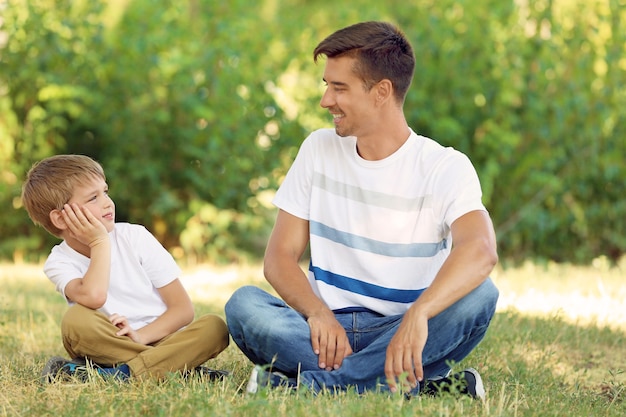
<point>99,297</point>
<point>190,315</point>
<point>93,301</point>
<point>92,297</point>
<point>186,314</point>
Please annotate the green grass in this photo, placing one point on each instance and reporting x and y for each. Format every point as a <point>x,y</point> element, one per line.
<point>565,360</point>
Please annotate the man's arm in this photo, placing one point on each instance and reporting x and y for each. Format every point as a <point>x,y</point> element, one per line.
<point>282,270</point>
<point>470,262</point>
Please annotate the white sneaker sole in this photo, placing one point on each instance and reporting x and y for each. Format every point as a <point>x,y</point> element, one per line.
<point>253,385</point>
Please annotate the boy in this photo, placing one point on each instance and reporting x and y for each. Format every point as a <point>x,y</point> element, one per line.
<point>129,312</point>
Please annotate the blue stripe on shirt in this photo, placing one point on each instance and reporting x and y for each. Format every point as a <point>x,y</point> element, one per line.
<point>395,250</point>
<point>364,288</point>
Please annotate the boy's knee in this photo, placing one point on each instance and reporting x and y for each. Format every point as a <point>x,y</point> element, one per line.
<point>214,324</point>
<point>213,329</point>
<point>78,317</point>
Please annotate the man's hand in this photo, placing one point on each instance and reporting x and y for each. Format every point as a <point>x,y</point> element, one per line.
<point>125,330</point>
<point>83,225</point>
<point>329,340</point>
<point>404,353</point>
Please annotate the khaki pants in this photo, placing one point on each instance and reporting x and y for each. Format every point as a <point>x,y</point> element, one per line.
<point>89,333</point>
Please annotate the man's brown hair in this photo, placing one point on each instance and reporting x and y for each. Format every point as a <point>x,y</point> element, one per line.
<point>381,51</point>
<point>50,184</point>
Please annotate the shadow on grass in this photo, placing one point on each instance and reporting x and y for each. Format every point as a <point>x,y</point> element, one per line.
<point>546,358</point>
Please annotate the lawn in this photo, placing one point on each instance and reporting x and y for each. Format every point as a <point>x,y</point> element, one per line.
<point>557,347</point>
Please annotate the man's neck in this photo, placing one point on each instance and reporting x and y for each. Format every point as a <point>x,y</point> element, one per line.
<point>384,142</point>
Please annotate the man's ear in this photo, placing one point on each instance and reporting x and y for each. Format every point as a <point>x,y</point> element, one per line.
<point>57,219</point>
<point>384,91</point>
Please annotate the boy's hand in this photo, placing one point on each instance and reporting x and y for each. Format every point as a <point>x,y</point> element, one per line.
<point>125,330</point>
<point>83,225</point>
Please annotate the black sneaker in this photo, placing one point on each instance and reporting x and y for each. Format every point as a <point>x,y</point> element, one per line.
<point>466,382</point>
<point>207,373</point>
<point>58,368</point>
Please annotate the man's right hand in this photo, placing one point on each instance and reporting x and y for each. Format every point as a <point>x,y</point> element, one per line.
<point>329,340</point>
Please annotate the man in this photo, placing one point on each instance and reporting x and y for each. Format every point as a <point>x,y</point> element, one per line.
<point>389,302</point>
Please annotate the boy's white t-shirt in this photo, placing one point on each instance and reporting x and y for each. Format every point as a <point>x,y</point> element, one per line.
<point>139,265</point>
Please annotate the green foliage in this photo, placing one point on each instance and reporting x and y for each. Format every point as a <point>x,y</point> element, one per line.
<point>531,94</point>
<point>199,104</point>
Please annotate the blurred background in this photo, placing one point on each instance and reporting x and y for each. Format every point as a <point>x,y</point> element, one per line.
<point>196,109</point>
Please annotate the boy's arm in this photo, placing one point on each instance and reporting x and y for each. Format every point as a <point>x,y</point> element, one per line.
<point>179,313</point>
<point>90,290</point>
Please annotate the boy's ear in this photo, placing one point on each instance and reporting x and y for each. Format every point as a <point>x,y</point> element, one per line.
<point>57,219</point>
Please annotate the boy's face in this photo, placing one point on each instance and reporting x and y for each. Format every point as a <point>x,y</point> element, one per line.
<point>94,196</point>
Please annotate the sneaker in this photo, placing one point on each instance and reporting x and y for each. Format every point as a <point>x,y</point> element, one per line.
<point>119,373</point>
<point>466,382</point>
<point>253,381</point>
<point>207,373</point>
<point>474,384</point>
<point>59,368</point>
<point>260,378</point>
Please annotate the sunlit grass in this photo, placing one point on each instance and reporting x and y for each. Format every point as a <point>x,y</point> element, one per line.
<point>593,294</point>
<point>556,348</point>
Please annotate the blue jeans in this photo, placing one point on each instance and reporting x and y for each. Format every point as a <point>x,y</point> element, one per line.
<point>268,331</point>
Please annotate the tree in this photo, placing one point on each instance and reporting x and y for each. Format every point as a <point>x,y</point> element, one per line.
<point>196,110</point>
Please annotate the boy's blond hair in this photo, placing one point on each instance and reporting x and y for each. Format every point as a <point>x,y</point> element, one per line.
<point>50,184</point>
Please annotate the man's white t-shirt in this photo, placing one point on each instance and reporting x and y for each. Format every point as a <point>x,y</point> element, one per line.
<point>379,230</point>
<point>139,265</point>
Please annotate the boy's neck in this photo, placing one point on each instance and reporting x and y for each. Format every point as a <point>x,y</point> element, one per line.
<point>77,246</point>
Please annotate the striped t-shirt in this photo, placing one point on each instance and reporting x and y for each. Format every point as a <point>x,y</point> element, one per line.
<point>379,230</point>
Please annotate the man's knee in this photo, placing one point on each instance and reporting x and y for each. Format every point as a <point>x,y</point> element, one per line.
<point>487,294</point>
<point>479,305</point>
<point>241,300</point>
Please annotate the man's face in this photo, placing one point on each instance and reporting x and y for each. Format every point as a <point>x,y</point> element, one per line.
<point>351,106</point>
<point>94,195</point>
